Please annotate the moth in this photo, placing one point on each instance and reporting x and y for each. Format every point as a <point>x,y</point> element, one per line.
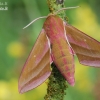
<point>58,42</point>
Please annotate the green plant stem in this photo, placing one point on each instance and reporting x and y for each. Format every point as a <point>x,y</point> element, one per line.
<point>57,83</point>
<point>56,86</point>
<point>55,5</point>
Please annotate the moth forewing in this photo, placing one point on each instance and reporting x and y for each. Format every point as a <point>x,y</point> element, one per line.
<point>86,48</point>
<point>37,67</point>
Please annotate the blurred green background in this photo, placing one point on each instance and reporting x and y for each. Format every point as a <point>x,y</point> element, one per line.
<point>16,43</point>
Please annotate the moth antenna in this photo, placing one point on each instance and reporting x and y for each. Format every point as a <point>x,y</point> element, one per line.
<point>67,8</point>
<point>34,21</point>
<point>46,16</point>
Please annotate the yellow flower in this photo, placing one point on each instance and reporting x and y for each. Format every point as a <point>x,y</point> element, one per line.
<point>87,21</point>
<point>4,92</point>
<point>83,82</point>
<point>9,91</point>
<point>43,88</point>
<point>16,49</point>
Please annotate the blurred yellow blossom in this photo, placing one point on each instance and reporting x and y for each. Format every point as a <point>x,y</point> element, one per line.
<point>16,49</point>
<point>40,90</point>
<point>9,91</point>
<point>82,78</point>
<point>42,87</point>
<point>86,21</point>
<point>4,92</point>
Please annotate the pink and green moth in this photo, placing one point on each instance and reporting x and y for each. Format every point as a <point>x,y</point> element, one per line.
<point>58,42</point>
